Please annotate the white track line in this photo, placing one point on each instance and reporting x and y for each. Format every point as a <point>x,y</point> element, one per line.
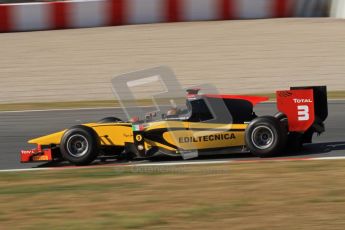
<point>180,163</point>
<point>116,107</point>
<point>24,170</point>
<point>70,109</point>
<point>328,158</point>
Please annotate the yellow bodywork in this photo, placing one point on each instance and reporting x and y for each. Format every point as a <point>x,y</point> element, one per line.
<point>175,134</point>
<point>48,139</point>
<point>109,134</point>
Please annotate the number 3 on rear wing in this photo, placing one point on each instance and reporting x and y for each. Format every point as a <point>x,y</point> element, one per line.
<point>305,107</point>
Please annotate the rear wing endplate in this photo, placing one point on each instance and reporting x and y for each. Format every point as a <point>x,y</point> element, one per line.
<point>304,107</point>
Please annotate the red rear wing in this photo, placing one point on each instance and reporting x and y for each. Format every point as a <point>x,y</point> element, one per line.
<point>298,106</point>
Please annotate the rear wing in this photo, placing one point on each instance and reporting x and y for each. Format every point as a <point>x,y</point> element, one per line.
<point>305,107</point>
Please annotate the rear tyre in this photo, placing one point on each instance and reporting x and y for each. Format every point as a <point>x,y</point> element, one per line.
<point>109,120</point>
<point>280,116</point>
<point>265,136</point>
<point>79,145</point>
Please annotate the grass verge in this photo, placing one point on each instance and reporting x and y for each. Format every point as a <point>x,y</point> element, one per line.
<point>110,103</point>
<point>270,195</point>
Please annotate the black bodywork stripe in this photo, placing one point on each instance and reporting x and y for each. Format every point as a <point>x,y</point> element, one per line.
<point>156,135</point>
<point>199,129</point>
<point>113,125</point>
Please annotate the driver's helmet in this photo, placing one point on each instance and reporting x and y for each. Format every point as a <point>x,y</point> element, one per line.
<point>134,119</point>
<point>172,112</point>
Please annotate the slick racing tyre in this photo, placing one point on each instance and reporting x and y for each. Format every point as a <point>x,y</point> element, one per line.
<point>79,145</point>
<point>265,136</point>
<point>109,120</point>
<point>280,116</point>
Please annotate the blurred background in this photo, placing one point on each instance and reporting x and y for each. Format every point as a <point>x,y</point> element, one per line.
<point>295,42</point>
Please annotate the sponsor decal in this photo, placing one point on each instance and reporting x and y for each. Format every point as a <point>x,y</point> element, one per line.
<point>284,93</point>
<point>213,137</point>
<point>40,158</point>
<point>298,101</point>
<point>138,137</point>
<point>29,151</point>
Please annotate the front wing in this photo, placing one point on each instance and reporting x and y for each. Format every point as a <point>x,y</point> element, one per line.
<point>36,155</point>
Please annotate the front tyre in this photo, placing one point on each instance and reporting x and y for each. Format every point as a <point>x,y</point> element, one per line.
<point>265,136</point>
<point>79,145</point>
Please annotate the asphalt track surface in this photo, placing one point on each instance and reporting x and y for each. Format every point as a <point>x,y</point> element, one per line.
<point>18,127</point>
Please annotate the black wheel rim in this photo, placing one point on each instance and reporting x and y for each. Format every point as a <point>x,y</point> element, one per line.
<point>77,145</point>
<point>262,137</point>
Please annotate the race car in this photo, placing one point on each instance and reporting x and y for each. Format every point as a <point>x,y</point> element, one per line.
<point>211,123</point>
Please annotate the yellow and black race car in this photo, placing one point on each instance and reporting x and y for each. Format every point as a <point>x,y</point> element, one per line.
<point>211,123</point>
